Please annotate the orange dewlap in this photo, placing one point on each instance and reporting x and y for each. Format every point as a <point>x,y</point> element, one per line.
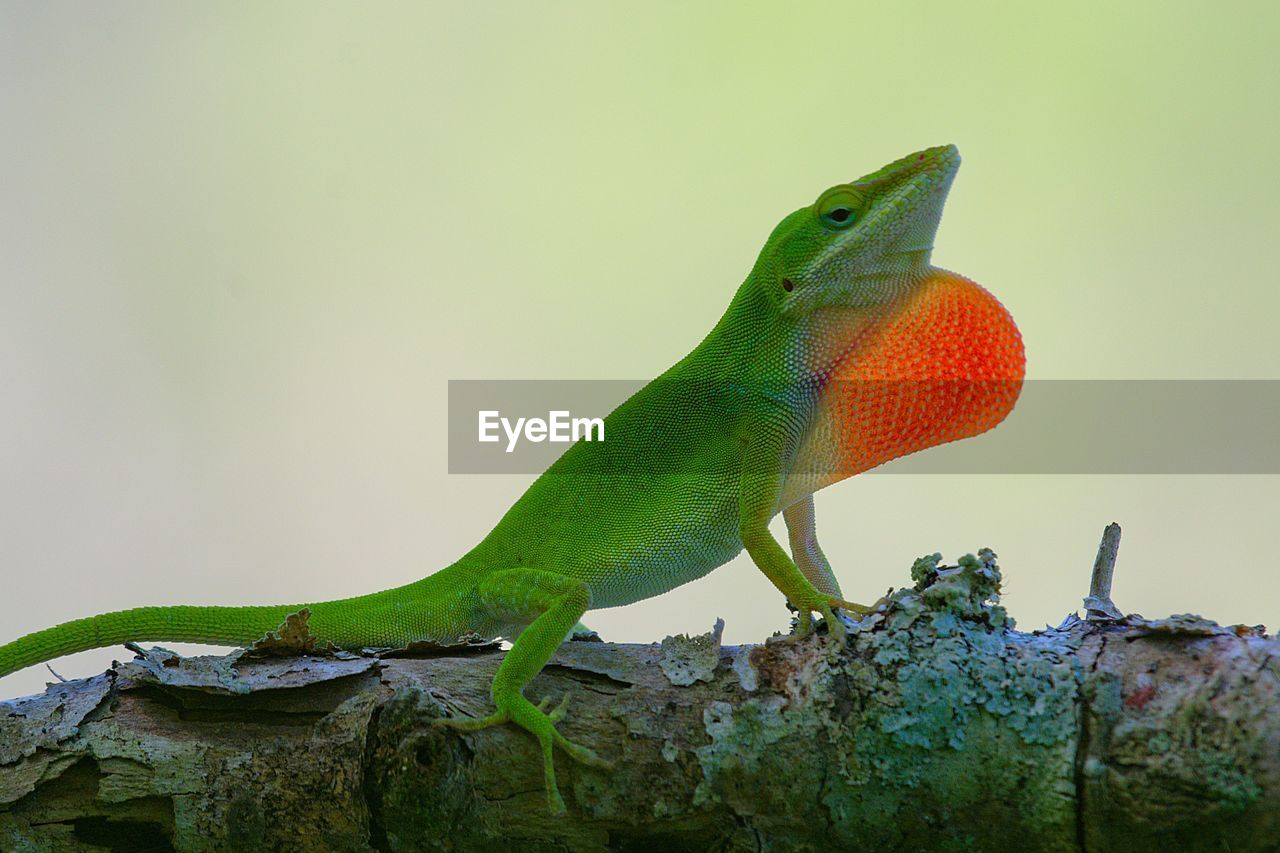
<point>946,365</point>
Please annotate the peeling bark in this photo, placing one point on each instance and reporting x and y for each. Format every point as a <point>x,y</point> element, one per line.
<point>937,727</point>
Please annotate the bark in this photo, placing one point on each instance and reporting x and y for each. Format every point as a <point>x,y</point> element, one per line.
<point>937,727</point>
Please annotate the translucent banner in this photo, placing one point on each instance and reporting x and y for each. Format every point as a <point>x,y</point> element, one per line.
<point>1057,426</point>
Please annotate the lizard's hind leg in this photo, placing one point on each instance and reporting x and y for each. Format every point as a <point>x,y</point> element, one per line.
<point>551,605</point>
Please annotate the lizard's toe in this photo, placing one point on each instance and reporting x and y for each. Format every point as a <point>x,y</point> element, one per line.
<point>581,754</point>
<point>471,724</point>
<point>557,714</point>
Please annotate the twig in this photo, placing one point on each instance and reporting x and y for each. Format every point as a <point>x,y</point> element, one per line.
<point>1099,604</point>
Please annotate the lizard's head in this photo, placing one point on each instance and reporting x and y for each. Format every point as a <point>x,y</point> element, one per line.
<point>906,356</point>
<point>860,244</point>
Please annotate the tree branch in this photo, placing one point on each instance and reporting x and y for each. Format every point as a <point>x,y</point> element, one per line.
<point>939,726</point>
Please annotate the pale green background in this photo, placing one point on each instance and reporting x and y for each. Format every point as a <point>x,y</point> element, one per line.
<point>245,245</point>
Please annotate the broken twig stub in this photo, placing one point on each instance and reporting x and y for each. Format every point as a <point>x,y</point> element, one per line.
<point>1099,604</point>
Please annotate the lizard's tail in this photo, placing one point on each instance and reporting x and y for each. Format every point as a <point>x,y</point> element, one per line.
<point>389,618</point>
<point>215,625</point>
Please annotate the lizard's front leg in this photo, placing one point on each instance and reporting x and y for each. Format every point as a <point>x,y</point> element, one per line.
<point>551,604</point>
<point>761,483</point>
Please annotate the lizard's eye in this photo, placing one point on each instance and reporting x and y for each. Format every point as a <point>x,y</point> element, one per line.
<point>838,208</point>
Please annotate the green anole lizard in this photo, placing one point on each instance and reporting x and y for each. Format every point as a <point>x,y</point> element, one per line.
<point>843,348</point>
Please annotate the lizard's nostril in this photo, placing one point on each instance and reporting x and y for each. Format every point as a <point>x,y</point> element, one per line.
<point>788,285</point>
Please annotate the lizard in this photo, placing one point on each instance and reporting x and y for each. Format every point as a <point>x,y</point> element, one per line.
<point>843,348</point>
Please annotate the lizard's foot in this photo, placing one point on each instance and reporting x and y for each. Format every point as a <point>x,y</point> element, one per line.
<point>827,605</point>
<point>539,722</point>
<point>474,725</point>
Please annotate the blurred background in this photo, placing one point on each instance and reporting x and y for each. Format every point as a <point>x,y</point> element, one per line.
<point>244,247</point>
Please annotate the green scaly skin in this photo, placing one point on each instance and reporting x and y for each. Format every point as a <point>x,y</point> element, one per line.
<point>695,465</point>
